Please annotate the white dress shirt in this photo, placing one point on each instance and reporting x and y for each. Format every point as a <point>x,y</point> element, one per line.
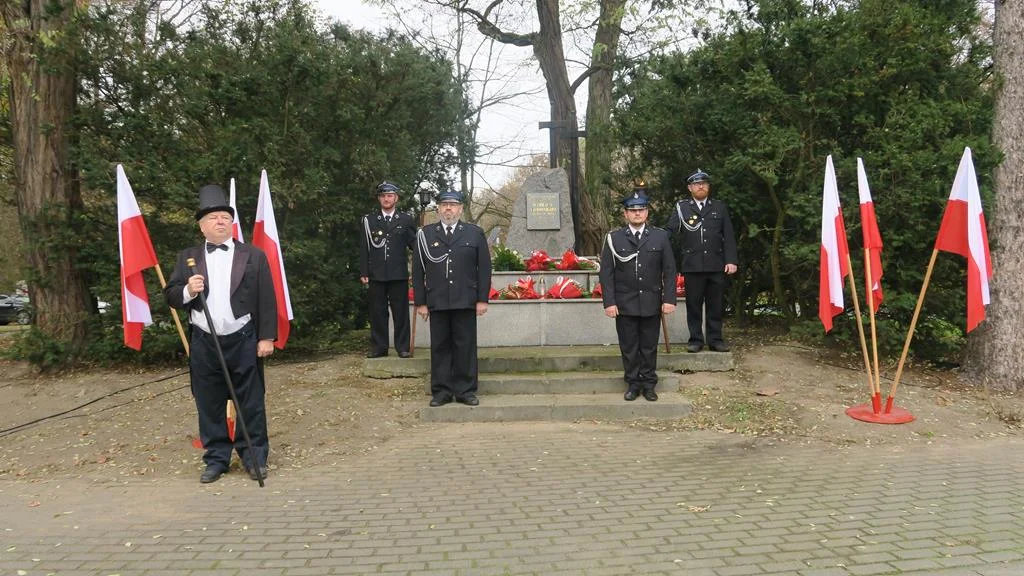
<point>633,231</point>
<point>218,281</point>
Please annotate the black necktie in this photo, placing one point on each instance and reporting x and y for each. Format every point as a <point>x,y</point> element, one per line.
<point>637,234</point>
<point>447,232</point>
<point>387,219</point>
<point>211,247</point>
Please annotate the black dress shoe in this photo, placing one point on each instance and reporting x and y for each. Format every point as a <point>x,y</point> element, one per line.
<point>468,400</point>
<point>440,401</point>
<point>720,347</point>
<point>694,347</point>
<point>376,354</point>
<point>631,395</point>
<point>405,354</point>
<point>211,474</point>
<point>252,472</point>
<point>650,395</point>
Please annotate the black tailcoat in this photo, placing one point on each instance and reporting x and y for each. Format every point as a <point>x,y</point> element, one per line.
<point>252,292</point>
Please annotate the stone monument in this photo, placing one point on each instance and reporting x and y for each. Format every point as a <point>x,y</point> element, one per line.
<point>542,216</point>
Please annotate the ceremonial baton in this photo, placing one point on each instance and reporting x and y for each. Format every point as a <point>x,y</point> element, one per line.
<point>191,263</point>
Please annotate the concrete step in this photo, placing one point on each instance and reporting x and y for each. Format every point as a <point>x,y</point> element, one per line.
<point>563,383</point>
<point>524,359</point>
<point>560,408</point>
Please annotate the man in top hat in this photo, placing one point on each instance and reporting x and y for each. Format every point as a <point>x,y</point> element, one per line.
<point>451,279</point>
<point>703,230</point>
<point>638,280</point>
<point>384,268</point>
<point>235,278</point>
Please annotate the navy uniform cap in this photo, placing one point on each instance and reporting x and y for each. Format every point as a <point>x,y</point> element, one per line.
<point>698,176</point>
<point>450,196</point>
<point>386,187</point>
<point>635,200</point>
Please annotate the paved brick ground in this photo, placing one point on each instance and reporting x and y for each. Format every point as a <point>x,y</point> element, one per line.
<point>547,499</point>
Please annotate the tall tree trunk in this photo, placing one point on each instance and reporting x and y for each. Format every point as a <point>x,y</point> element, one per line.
<point>42,101</point>
<point>547,48</point>
<point>596,197</point>
<point>995,356</point>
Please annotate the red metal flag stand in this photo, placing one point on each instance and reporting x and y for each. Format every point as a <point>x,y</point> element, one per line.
<point>866,413</point>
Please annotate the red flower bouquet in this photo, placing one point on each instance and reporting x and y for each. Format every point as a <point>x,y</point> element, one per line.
<point>522,289</point>
<point>680,286</point>
<point>564,288</point>
<point>569,261</point>
<point>538,261</point>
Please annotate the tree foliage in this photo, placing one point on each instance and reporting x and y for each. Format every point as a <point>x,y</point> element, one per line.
<point>241,86</point>
<point>904,85</point>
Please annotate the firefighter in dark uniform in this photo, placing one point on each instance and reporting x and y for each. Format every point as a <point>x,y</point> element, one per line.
<point>703,231</point>
<point>384,269</point>
<point>638,279</point>
<point>451,279</point>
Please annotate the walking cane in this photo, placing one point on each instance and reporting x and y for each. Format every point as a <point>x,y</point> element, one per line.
<point>191,263</point>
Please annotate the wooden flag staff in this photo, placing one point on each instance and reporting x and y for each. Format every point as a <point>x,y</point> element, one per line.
<point>860,326</point>
<point>867,412</point>
<point>910,332</point>
<point>876,391</point>
<point>174,313</point>
<point>664,331</point>
<point>196,442</point>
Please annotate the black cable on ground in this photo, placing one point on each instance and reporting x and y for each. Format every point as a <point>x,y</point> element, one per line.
<point>19,427</point>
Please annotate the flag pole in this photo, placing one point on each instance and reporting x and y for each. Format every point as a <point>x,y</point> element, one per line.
<point>174,313</point>
<point>876,391</point>
<point>860,326</point>
<point>910,332</point>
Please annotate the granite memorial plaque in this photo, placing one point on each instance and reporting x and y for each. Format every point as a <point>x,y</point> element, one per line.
<point>542,211</point>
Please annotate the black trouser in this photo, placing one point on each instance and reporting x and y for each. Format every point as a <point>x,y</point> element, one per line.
<point>211,394</point>
<point>393,294</point>
<point>638,343</point>
<point>453,362</point>
<point>704,292</point>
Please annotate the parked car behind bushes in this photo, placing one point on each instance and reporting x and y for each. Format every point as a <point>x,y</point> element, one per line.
<point>14,309</point>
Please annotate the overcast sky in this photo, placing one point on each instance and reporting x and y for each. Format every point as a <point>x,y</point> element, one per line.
<point>513,127</point>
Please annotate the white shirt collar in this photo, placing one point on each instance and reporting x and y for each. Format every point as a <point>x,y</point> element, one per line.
<point>633,230</point>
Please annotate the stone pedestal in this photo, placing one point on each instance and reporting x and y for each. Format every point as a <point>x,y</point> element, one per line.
<point>550,323</point>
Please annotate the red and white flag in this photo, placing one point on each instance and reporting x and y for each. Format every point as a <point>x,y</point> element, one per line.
<point>963,232</point>
<point>265,237</point>
<point>835,253</point>
<point>236,226</point>
<point>872,239</point>
<point>136,255</point>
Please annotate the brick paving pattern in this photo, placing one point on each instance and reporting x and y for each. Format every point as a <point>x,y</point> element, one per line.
<point>547,499</point>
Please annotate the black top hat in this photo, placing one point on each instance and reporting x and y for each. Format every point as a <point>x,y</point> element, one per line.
<point>386,187</point>
<point>698,176</point>
<point>213,199</point>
